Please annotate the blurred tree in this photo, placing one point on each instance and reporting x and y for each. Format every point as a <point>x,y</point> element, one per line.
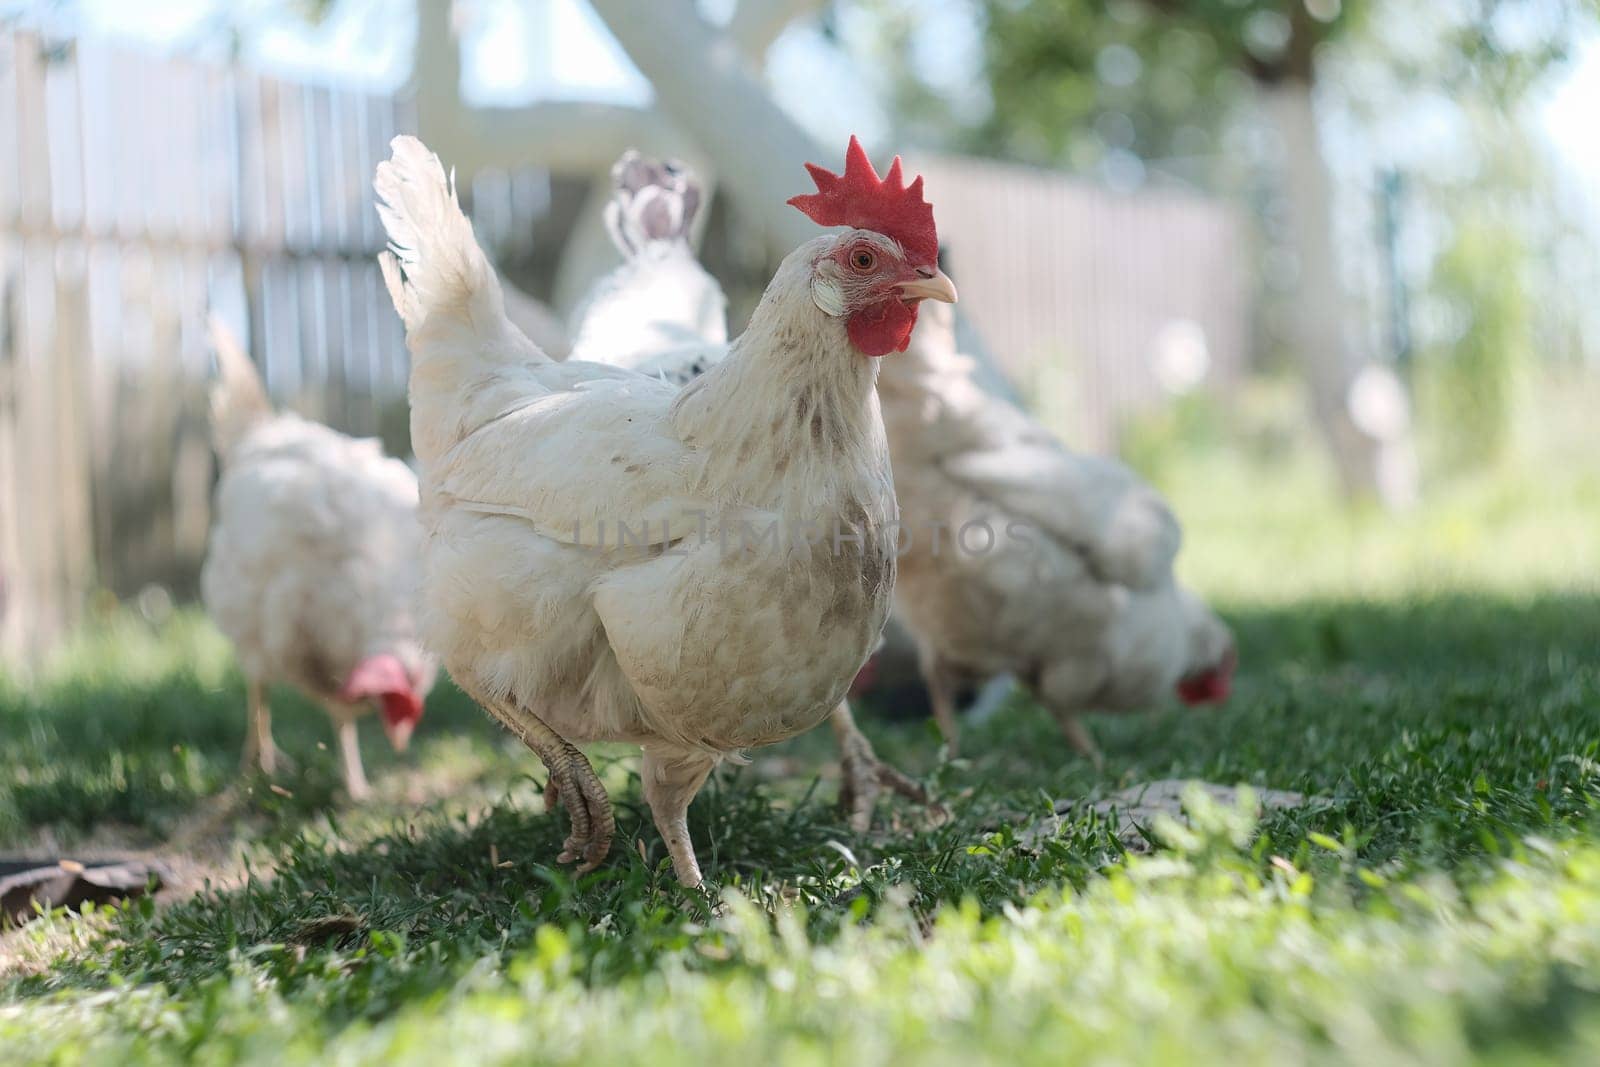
<point>1123,85</point>
<point>1481,284</point>
<point>1081,83</point>
<point>1488,233</point>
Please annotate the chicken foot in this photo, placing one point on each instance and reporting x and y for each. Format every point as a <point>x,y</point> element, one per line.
<point>572,778</point>
<point>863,776</point>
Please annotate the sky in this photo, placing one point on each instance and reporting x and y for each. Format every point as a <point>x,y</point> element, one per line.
<point>1570,115</point>
<point>518,51</point>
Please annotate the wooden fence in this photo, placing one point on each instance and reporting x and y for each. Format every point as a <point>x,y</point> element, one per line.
<point>134,193</point>
<point>1081,294</point>
<point>137,192</point>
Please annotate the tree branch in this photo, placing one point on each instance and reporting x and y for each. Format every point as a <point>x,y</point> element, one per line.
<point>704,83</point>
<point>757,23</point>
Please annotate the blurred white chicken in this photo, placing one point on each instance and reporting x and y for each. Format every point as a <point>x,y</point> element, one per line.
<point>311,568</point>
<point>661,312</point>
<point>562,626</point>
<point>1018,556</point>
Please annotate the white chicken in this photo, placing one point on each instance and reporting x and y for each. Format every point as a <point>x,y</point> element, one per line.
<point>662,313</point>
<point>311,567</point>
<point>1018,556</point>
<point>659,312</point>
<point>536,477</point>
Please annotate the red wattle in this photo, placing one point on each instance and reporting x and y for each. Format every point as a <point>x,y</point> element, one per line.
<point>1211,687</point>
<point>882,328</point>
<point>383,677</point>
<point>399,707</point>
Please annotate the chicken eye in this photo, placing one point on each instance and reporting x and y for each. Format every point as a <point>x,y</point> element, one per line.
<point>863,260</point>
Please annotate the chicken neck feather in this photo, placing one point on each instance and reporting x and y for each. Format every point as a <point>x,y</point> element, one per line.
<point>790,419</point>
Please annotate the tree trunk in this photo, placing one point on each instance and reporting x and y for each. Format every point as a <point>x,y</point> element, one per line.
<point>589,254</point>
<point>704,83</point>
<point>562,135</point>
<point>1360,407</point>
<point>757,23</point>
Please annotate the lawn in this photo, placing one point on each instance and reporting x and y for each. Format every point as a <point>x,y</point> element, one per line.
<point>1431,683</point>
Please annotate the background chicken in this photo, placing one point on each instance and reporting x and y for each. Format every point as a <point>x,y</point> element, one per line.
<point>1019,556</point>
<point>662,313</point>
<point>311,567</point>
<point>692,651</point>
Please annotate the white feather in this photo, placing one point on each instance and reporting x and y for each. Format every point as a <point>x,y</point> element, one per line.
<point>1081,601</point>
<point>312,562</point>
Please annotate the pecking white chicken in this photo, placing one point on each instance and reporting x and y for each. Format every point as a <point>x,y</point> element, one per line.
<point>662,313</point>
<point>1018,556</point>
<point>537,476</point>
<point>311,566</point>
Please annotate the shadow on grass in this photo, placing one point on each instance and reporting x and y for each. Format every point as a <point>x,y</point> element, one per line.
<point>1441,731</point>
<point>86,754</point>
<point>365,926</point>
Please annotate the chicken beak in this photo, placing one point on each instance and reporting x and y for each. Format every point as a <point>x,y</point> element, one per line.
<point>938,287</point>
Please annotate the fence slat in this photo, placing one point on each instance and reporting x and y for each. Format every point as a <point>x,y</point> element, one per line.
<point>1074,287</point>
<point>135,193</point>
<point>15,603</point>
<point>10,178</point>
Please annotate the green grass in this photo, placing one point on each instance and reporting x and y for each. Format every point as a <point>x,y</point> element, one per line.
<point>1438,692</point>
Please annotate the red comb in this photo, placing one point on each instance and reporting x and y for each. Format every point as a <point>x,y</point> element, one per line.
<point>859,198</point>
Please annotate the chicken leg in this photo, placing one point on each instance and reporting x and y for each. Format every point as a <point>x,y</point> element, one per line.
<point>572,778</point>
<point>1079,738</point>
<point>259,748</point>
<point>863,776</point>
<point>672,777</point>
<point>355,776</point>
<point>941,685</point>
<point>1066,689</point>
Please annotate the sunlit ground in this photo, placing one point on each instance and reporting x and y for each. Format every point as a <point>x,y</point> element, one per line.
<point>1432,681</point>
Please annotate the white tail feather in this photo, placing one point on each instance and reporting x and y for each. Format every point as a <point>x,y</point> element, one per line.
<point>238,397</point>
<point>447,295</point>
<point>434,266</point>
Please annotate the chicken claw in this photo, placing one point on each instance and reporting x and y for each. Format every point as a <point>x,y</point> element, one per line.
<point>864,776</point>
<point>572,779</point>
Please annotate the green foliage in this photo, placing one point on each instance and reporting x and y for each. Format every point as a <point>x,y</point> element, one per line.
<point>1468,389</point>
<point>1260,528</point>
<point>1067,81</point>
<point>1155,442</point>
<point>1070,82</point>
